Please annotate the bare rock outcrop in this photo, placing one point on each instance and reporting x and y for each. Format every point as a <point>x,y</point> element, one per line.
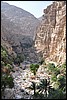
<point>50,39</point>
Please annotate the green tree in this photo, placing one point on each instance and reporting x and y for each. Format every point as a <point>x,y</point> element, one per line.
<point>34,68</point>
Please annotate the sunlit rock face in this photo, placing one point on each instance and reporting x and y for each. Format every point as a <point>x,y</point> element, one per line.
<point>50,39</point>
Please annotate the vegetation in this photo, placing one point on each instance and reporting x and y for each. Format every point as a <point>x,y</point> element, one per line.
<point>55,87</point>
<point>43,86</point>
<point>34,68</point>
<point>33,87</point>
<point>6,68</point>
<point>57,82</point>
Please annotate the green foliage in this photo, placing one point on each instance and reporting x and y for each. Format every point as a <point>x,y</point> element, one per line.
<point>57,81</point>
<point>9,67</point>
<point>5,57</point>
<point>3,53</point>
<point>7,81</point>
<point>63,65</point>
<point>56,85</point>
<point>51,66</point>
<point>34,68</point>
<point>43,84</point>
<point>53,78</point>
<point>56,71</point>
<point>51,69</point>
<point>62,80</point>
<point>6,66</point>
<point>56,94</point>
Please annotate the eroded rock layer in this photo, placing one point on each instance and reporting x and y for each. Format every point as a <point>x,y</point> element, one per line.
<point>50,39</point>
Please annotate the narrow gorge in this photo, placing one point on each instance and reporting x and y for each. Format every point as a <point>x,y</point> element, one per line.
<point>33,50</point>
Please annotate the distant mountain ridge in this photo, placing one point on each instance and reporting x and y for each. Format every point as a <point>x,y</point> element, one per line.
<point>25,21</point>
<point>18,28</point>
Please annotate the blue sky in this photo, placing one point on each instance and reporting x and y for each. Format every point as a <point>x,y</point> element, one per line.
<point>34,7</point>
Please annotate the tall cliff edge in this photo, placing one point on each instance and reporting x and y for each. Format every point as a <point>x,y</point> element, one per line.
<point>50,38</point>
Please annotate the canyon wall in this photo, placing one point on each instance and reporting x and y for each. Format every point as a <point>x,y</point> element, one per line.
<point>50,39</point>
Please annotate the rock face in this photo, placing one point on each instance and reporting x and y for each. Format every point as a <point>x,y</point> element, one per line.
<point>17,28</point>
<point>50,39</point>
<point>21,21</point>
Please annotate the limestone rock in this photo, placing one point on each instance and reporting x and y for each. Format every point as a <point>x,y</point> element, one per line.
<point>51,34</point>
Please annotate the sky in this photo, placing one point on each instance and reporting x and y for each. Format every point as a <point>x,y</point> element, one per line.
<point>34,7</point>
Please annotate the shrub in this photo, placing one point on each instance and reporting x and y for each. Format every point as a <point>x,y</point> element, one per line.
<point>51,66</point>
<point>62,81</point>
<point>56,71</point>
<point>9,66</point>
<point>53,78</point>
<point>34,68</point>
<point>56,94</point>
<point>6,79</point>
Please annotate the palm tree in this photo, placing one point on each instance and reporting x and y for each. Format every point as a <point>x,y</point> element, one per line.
<point>43,86</point>
<point>34,68</point>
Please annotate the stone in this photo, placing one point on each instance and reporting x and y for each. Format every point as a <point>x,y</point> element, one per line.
<point>53,29</point>
<point>18,97</point>
<point>9,93</point>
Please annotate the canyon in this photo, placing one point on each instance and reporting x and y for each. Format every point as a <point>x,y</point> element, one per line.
<point>36,40</point>
<point>21,32</point>
<point>17,30</point>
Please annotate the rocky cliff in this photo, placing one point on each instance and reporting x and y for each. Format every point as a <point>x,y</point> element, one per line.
<point>17,28</point>
<point>50,39</point>
<point>22,21</point>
